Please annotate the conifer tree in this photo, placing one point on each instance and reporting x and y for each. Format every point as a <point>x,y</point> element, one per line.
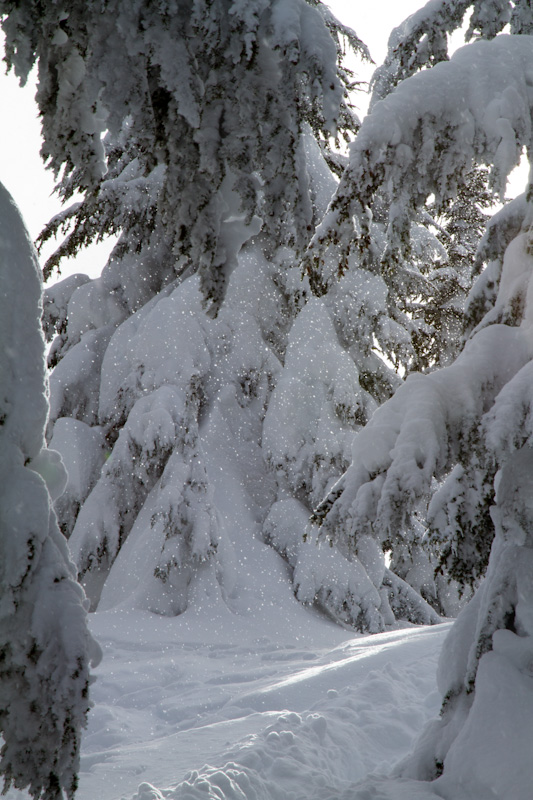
<point>463,429</point>
<point>201,320</point>
<point>45,647</point>
<point>411,150</point>
<point>216,194</point>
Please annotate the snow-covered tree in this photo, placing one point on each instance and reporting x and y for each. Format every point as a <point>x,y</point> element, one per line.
<point>458,439</point>
<point>411,148</point>
<point>425,297</point>
<point>176,352</point>
<point>199,335</point>
<point>201,315</point>
<point>45,647</point>
<point>203,104</point>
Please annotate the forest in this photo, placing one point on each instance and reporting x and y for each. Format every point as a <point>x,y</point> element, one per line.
<point>280,451</point>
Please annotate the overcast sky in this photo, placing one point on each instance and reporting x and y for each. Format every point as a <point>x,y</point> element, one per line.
<point>374,20</point>
<point>21,168</point>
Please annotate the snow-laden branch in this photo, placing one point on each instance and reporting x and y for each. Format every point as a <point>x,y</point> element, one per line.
<point>424,137</point>
<point>436,421</point>
<point>430,424</point>
<point>422,39</point>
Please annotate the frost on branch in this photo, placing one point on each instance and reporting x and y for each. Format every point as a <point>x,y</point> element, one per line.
<point>45,647</point>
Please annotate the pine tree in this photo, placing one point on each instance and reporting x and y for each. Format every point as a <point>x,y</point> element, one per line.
<point>216,195</point>
<point>458,438</point>
<point>45,647</point>
<point>459,227</point>
<point>177,350</point>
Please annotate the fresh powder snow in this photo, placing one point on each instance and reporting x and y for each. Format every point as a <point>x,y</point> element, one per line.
<point>278,704</point>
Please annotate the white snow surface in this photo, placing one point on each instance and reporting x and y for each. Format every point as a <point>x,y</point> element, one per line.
<point>233,707</point>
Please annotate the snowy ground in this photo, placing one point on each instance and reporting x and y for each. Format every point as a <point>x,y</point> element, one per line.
<point>200,710</point>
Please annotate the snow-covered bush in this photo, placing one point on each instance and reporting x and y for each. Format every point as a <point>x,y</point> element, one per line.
<point>45,647</point>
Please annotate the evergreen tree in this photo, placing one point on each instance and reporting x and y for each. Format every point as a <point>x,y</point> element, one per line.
<point>45,647</point>
<point>459,227</point>
<point>464,429</point>
<point>199,321</point>
<point>413,149</point>
<point>176,351</point>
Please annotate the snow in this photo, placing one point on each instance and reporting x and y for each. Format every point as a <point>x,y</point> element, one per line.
<point>501,709</point>
<point>192,707</point>
<point>22,403</point>
<point>302,425</point>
